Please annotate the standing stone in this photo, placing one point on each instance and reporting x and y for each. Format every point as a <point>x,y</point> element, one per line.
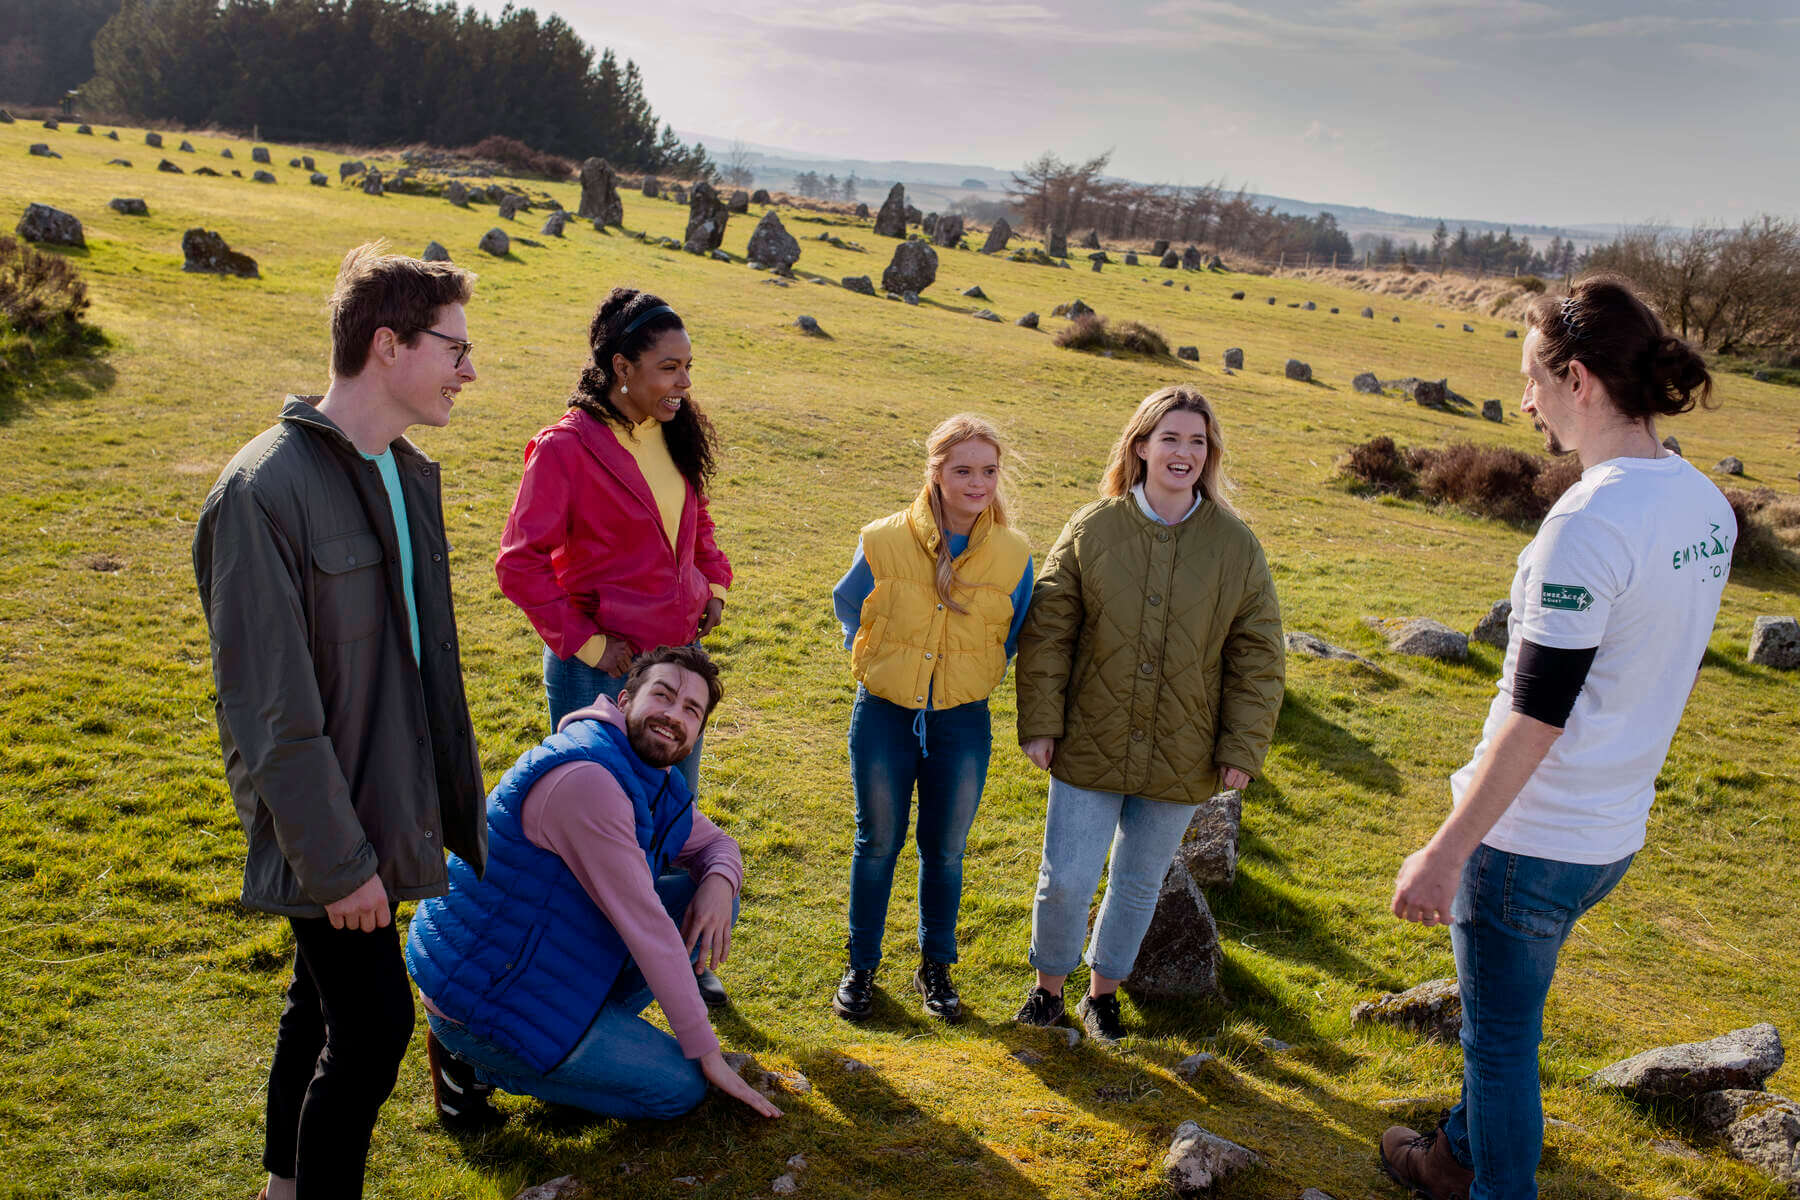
<point>51,227</point>
<point>651,187</point>
<point>1775,642</point>
<point>512,204</point>
<point>350,167</point>
<point>891,220</point>
<point>169,168</point>
<point>707,215</point>
<point>263,177</point>
<point>860,284</point>
<point>6,118</point>
<point>1234,359</point>
<point>773,246</point>
<point>1369,313</point>
<point>1491,629</point>
<point>1298,370</point>
<point>949,230</point>
<point>913,269</point>
<point>739,202</point>
<point>1209,847</point>
<point>186,146</point>
<point>42,150</point>
<point>760,196</point>
<point>1730,465</point>
<point>997,237</point>
<point>929,224</point>
<point>1215,263</point>
<point>1423,637</point>
<point>456,193</point>
<point>1160,246</point>
<point>1493,410</point>
<point>1191,260</point>
<point>212,174</point>
<point>1366,382</point>
<point>1671,445</point>
<point>1091,241</point>
<point>600,201</point>
<point>259,154</point>
<point>913,216</point>
<point>205,252</point>
<point>1170,260</point>
<point>153,139</point>
<point>553,224</point>
<point>495,242</point>
<point>1058,242</point>
<point>226,153</point>
<point>1131,258</point>
<point>1028,321</point>
<point>435,252</point>
<point>1188,353</point>
<point>307,164</point>
<point>862,211</point>
<point>318,179</point>
<point>1309,306</point>
<point>130,207</point>
<point>1197,1160</point>
<point>1431,393</point>
<point>371,184</point>
<point>294,162</point>
<point>1743,1058</point>
<point>1179,956</point>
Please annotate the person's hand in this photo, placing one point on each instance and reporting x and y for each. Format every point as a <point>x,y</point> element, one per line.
<point>1423,889</point>
<point>1234,778</point>
<point>712,1065</point>
<point>616,658</point>
<point>1040,750</point>
<point>707,924</point>
<point>715,612</point>
<point>365,910</point>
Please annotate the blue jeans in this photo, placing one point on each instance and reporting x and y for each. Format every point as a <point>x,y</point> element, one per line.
<point>1508,922</point>
<point>570,684</point>
<point>622,1067</point>
<point>1080,828</point>
<point>945,752</point>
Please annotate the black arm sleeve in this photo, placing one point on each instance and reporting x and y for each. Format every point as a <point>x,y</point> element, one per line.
<point>1547,680</point>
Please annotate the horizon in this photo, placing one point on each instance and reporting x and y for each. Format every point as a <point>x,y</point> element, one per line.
<point>1340,102</point>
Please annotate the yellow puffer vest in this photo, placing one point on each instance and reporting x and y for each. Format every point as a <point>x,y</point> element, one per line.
<point>910,646</point>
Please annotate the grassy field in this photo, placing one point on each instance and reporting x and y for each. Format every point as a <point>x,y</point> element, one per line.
<point>138,1000</point>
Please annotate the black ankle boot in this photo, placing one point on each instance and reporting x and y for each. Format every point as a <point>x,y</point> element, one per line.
<point>854,999</point>
<point>932,981</point>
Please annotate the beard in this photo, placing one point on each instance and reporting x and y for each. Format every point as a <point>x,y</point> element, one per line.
<point>1552,445</point>
<point>652,748</point>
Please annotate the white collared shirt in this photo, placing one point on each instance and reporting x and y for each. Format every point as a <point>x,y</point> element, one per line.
<point>1137,490</point>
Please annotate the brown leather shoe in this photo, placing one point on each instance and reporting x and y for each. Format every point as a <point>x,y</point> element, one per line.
<point>1423,1163</point>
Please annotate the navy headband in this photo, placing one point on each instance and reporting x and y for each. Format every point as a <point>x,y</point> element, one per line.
<point>658,311</point>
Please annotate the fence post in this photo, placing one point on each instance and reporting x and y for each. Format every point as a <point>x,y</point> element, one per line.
<point>1283,263</point>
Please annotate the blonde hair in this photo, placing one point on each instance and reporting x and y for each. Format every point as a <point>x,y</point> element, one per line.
<point>951,433</point>
<point>1127,470</point>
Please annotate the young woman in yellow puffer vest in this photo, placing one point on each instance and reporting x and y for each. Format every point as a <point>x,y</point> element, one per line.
<point>931,609</point>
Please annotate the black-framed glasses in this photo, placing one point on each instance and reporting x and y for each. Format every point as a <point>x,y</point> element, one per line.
<point>464,347</point>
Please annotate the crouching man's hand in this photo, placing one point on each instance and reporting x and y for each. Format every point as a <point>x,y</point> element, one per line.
<point>726,1080</point>
<point>708,923</point>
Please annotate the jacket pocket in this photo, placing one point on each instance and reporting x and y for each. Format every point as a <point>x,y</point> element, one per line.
<point>349,588</point>
<point>518,965</point>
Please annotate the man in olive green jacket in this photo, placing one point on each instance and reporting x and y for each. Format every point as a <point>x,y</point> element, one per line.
<point>322,568</point>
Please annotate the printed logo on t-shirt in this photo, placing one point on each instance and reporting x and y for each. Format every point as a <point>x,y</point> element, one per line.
<point>1567,596</point>
<point>1710,546</point>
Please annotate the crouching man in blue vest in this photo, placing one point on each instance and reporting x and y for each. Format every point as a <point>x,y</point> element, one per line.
<point>605,888</point>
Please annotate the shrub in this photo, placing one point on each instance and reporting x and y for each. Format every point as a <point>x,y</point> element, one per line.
<point>39,292</point>
<point>1490,481</point>
<point>1091,332</point>
<point>1134,337</point>
<point>1768,528</point>
<point>1378,465</point>
<point>516,156</point>
<point>1086,332</point>
<point>1528,283</point>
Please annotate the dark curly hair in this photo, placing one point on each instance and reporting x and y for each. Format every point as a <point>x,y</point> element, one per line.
<point>693,444</point>
<point>1647,371</point>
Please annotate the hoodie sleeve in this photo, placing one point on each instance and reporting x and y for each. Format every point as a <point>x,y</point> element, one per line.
<point>579,813</point>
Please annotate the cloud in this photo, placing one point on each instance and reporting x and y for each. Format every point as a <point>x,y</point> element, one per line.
<point>1320,133</point>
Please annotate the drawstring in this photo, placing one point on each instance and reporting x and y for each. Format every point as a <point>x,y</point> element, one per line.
<point>919,732</point>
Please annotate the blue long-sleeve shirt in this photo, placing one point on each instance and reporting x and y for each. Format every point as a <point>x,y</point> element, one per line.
<point>848,596</point>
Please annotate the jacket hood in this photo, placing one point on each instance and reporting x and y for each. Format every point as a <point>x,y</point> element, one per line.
<point>602,709</point>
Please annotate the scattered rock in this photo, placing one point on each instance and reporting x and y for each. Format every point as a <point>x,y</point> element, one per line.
<point>1096,266</point>
<point>1775,642</point>
<point>1468,328</point>
<point>1197,1159</point>
<point>1369,313</point>
<point>1296,369</point>
<point>1671,445</point>
<point>1428,393</point>
<point>862,211</point>
<point>600,202</point>
<point>707,215</point>
<point>226,153</point>
<point>1312,646</point>
<point>772,245</point>
<point>1408,1104</point>
<point>1189,353</point>
<point>1029,1057</point>
<point>975,293</point>
<point>118,162</point>
<point>495,242</point>
<point>1511,333</point>
<point>212,174</point>
<point>891,220</point>
<point>555,1189</point>
<point>739,202</point>
<point>259,154</point>
<point>651,188</point>
<point>457,193</point>
<point>50,227</point>
<point>1309,306</point>
<point>1130,259</point>
<point>1091,241</point>
<point>913,269</point>
<point>206,252</point>
<point>1491,629</point>
<point>1234,359</point>
<point>949,230</point>
<point>6,118</point>
<point>306,163</point>
<point>1274,1045</point>
<point>1494,411</point>
<point>913,217</point>
<point>1099,256</point>
<point>1741,1059</point>
<point>1315,1194</point>
<point>512,204</point>
<point>1169,261</point>
<point>1730,465</point>
<point>1396,319</point>
<point>1433,1010</point>
<point>263,177</point>
<point>997,237</point>
<point>1334,312</point>
<point>350,167</point>
<point>435,252</point>
<point>1192,260</point>
<point>1422,637</point>
<point>371,184</point>
<point>759,196</point>
<point>129,206</point>
<point>1029,320</point>
<point>169,168</point>
<point>1759,1128</point>
<point>42,150</point>
<point>153,139</point>
<point>851,1066</point>
<point>909,297</point>
<point>985,314</point>
<point>1676,1149</point>
<point>1366,382</point>
<point>808,324</point>
<point>929,224</point>
<point>1192,1065</point>
<point>784,1185</point>
<point>1271,302</point>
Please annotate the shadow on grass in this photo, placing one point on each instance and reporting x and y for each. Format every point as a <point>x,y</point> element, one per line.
<point>1259,913</point>
<point>1309,733</point>
<point>29,379</point>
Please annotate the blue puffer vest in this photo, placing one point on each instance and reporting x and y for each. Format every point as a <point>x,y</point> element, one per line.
<point>521,955</point>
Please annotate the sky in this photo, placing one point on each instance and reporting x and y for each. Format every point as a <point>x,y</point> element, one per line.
<point>1593,111</point>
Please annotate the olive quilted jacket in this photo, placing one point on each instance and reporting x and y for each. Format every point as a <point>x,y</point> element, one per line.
<point>1152,653</point>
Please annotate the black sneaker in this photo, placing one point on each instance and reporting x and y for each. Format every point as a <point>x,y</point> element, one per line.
<point>461,1100</point>
<point>1100,1017</point>
<point>1041,1007</point>
<point>854,999</point>
<point>711,990</point>
<point>932,982</point>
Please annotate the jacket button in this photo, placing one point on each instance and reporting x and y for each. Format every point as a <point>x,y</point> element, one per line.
<point>428,835</point>
<point>421,741</point>
<point>1163,536</point>
<point>940,608</point>
<point>393,558</point>
<point>435,557</point>
<point>446,645</point>
<point>928,656</point>
<point>1137,735</point>
<point>349,560</point>
<point>919,699</point>
<point>1145,668</point>
<point>1155,600</point>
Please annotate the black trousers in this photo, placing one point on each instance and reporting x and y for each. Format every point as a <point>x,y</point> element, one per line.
<point>338,1048</point>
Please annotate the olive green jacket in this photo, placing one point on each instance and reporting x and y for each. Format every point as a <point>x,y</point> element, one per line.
<point>1152,653</point>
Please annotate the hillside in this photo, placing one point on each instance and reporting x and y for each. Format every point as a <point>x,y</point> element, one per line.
<point>138,1000</point>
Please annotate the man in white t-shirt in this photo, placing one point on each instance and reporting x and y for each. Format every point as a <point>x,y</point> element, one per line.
<point>1613,604</point>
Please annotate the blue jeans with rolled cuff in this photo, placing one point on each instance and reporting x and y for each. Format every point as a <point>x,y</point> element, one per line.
<point>944,753</point>
<point>1508,922</point>
<point>570,684</point>
<point>1082,829</point>
<point>622,1067</point>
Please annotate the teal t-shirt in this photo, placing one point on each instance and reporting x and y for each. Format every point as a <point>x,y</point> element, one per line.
<point>390,479</point>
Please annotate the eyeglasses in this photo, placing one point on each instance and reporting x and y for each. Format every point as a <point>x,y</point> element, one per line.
<point>464,347</point>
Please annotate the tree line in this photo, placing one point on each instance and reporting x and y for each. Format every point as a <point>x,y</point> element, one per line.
<point>377,72</point>
<point>1731,290</point>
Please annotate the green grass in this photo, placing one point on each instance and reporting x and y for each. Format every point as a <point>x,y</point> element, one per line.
<point>138,1001</point>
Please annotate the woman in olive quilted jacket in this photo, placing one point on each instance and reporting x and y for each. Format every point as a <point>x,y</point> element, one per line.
<point>1150,674</point>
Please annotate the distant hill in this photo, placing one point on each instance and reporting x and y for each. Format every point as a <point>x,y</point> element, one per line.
<point>936,185</point>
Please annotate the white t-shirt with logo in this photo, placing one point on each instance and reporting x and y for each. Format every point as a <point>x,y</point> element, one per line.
<point>1632,560</point>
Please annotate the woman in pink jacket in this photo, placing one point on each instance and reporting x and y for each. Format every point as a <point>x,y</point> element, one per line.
<point>609,548</point>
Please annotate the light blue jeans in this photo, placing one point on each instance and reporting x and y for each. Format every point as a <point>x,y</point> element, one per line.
<point>622,1067</point>
<point>1080,830</point>
<point>571,684</point>
<point>1508,923</point>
